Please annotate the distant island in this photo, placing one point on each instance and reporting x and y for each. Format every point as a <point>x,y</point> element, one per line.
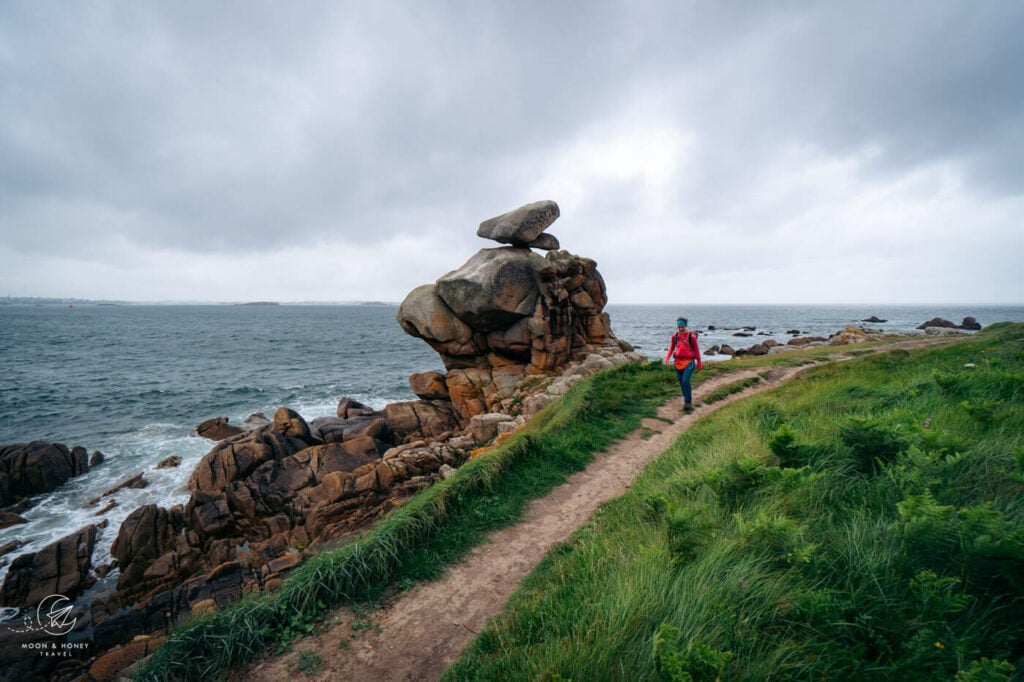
<point>43,300</point>
<point>258,303</point>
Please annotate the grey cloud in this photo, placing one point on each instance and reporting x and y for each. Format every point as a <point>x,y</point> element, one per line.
<point>248,126</point>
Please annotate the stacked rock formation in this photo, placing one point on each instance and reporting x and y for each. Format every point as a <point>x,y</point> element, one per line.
<point>507,313</point>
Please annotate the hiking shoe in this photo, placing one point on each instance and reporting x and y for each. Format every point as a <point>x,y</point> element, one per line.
<point>688,408</point>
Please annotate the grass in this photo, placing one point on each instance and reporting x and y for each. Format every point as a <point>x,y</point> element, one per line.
<point>437,527</point>
<point>865,521</point>
<point>729,389</point>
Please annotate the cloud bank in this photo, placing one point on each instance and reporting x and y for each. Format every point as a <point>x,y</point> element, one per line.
<point>700,152</point>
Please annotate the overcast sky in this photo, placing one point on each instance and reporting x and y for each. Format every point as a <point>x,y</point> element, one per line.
<point>713,152</point>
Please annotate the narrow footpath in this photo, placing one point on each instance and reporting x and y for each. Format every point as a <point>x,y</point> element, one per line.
<point>420,633</point>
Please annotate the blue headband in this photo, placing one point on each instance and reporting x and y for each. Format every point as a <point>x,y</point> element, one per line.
<point>682,320</point>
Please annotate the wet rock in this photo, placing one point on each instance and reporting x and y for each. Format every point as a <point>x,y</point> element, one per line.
<point>874,320</point>
<point>12,546</point>
<point>9,518</point>
<point>256,421</point>
<point>61,567</point>
<point>171,462</point>
<point>110,505</point>
<point>38,467</point>
<point>135,482</point>
<point>348,408</point>
<point>970,324</point>
<point>937,322</point>
<point>216,428</point>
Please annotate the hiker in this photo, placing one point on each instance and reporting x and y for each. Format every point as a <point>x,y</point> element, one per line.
<point>686,352</point>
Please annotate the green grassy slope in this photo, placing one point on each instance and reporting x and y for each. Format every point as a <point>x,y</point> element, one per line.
<point>865,521</point>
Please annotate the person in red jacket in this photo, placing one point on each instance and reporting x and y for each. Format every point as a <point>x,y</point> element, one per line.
<point>686,352</point>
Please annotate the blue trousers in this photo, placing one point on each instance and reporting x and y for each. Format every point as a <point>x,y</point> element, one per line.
<point>684,381</point>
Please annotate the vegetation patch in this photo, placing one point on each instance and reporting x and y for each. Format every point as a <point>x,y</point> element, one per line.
<point>865,521</point>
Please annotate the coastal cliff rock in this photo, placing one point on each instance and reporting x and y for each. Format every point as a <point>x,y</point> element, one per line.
<point>256,496</point>
<point>60,568</point>
<point>28,469</point>
<point>508,313</point>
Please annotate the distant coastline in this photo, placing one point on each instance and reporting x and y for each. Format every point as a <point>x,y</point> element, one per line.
<point>47,300</point>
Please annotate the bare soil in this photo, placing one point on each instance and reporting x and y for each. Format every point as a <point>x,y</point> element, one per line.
<point>421,632</point>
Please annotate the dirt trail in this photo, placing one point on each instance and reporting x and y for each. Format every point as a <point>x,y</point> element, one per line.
<point>423,631</point>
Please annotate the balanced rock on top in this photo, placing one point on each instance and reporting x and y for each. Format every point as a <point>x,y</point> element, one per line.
<point>508,313</point>
<point>523,226</point>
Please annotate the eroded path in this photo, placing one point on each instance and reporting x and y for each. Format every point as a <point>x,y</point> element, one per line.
<point>423,631</point>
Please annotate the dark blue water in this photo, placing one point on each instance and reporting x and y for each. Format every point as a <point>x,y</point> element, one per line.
<point>133,381</point>
<point>89,373</point>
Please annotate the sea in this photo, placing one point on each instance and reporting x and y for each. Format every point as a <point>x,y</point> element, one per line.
<point>133,381</point>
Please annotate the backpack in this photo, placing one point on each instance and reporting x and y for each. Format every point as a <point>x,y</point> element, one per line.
<point>689,341</point>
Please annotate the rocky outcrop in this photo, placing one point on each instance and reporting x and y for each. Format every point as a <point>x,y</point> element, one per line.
<point>259,495</point>
<point>970,324</point>
<point>507,313</point>
<point>217,429</point>
<point>937,322</point>
<point>806,341</point>
<point>60,568</point>
<point>28,469</point>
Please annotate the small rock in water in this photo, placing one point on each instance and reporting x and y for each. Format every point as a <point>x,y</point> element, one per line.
<point>136,481</point>
<point>11,519</point>
<point>970,324</point>
<point>169,462</point>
